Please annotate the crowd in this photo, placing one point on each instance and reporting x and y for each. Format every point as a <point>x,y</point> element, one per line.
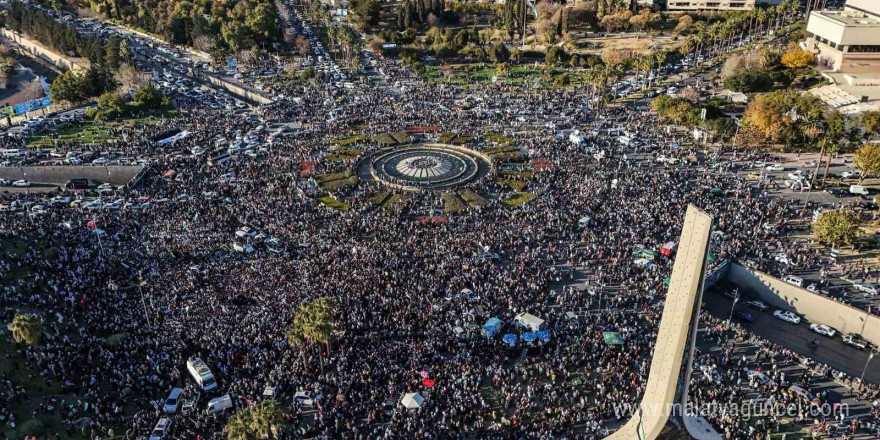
<point>122,310</point>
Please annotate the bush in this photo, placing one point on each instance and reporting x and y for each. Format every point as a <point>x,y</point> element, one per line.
<point>750,82</point>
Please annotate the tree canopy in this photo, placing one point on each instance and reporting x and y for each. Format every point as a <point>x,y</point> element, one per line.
<point>836,228</point>
<point>867,159</point>
<point>25,329</point>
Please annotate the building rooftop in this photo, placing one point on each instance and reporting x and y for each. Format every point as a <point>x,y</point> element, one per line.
<point>850,18</point>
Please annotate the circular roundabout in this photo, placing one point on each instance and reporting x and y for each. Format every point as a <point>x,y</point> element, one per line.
<point>432,167</point>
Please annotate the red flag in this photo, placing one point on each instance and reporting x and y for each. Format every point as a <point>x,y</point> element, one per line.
<point>91,224</point>
<point>428,382</point>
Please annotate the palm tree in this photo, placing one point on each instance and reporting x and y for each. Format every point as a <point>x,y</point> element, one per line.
<point>660,57</point>
<point>25,329</point>
<point>646,63</point>
<point>255,422</point>
<point>312,324</point>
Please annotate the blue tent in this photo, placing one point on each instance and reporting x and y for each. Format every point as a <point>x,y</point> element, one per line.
<point>509,339</point>
<point>544,335</point>
<point>492,327</point>
<point>529,337</point>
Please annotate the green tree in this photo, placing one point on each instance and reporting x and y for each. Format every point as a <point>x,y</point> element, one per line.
<point>867,160</point>
<point>555,56</point>
<point>68,88</point>
<point>312,324</point>
<point>257,422</point>
<point>836,228</point>
<point>149,96</point>
<point>500,53</point>
<point>870,122</point>
<point>110,106</point>
<point>25,329</point>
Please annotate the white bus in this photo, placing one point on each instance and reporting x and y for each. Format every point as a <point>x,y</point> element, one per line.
<point>202,374</point>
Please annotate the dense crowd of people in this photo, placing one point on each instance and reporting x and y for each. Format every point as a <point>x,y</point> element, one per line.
<point>125,301</point>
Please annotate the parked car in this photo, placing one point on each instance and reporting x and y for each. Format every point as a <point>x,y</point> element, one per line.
<point>161,429</point>
<point>304,398</point>
<point>794,280</point>
<point>787,316</point>
<point>758,305</point>
<point>866,287</point>
<point>823,330</point>
<point>745,316</point>
<point>856,340</point>
<point>21,183</point>
<point>775,167</point>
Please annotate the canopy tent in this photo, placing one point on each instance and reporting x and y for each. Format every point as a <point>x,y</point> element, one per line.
<point>544,335</point>
<point>412,400</point>
<point>509,339</point>
<point>529,337</point>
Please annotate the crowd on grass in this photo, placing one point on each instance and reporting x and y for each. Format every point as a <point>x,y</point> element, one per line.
<point>126,297</point>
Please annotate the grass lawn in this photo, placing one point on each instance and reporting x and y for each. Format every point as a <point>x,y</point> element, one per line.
<point>342,153</point>
<point>452,204</point>
<point>332,203</point>
<point>377,198</point>
<point>498,139</point>
<point>472,198</point>
<point>350,140</point>
<point>518,199</point>
<point>90,132</point>
<point>516,185</point>
<point>394,201</point>
<point>334,181</point>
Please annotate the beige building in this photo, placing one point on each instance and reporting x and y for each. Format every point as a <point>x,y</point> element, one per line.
<point>720,5</point>
<point>846,41</point>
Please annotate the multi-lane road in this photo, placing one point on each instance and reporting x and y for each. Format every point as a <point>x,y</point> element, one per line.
<point>830,351</point>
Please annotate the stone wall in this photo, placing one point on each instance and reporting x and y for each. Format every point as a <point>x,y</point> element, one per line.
<point>816,308</point>
<point>61,61</point>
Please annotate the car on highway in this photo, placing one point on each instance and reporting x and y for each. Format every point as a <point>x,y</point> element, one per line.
<point>794,280</point>
<point>837,192</point>
<point>774,167</point>
<point>745,316</point>
<point>850,174</point>
<point>760,305</point>
<point>823,330</point>
<point>759,377</point>
<point>866,287</point>
<point>21,183</point>
<point>856,340</point>
<point>732,294</point>
<point>782,258</point>
<point>787,316</point>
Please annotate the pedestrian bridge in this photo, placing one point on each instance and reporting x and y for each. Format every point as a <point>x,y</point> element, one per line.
<point>675,332</point>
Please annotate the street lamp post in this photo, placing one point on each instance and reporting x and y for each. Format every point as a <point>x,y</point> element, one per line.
<point>862,378</point>
<point>735,300</point>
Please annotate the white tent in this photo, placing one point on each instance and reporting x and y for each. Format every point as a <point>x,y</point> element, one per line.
<point>412,400</point>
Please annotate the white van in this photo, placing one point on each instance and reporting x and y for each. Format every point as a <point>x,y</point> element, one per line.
<point>791,279</point>
<point>161,429</point>
<point>859,189</point>
<point>202,374</point>
<point>219,404</point>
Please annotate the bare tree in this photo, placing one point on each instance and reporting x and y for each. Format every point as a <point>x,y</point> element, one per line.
<point>303,46</point>
<point>131,78</point>
<point>203,42</point>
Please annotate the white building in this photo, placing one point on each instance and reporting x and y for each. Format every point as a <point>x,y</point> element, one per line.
<point>847,41</point>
